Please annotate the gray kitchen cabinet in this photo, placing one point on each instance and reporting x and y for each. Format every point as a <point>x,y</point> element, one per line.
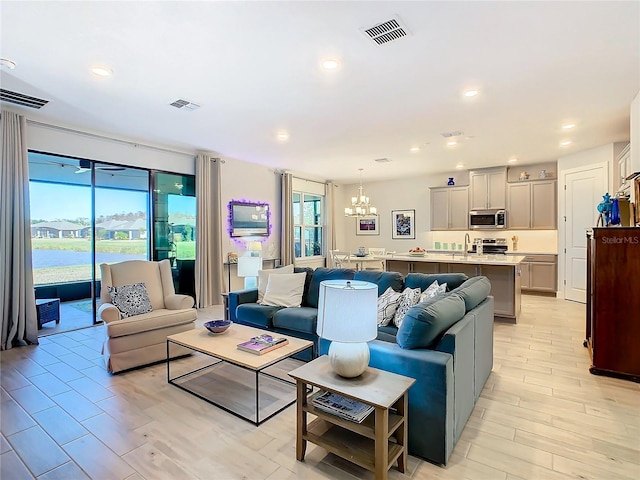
<point>539,273</point>
<point>487,188</point>
<point>449,208</point>
<point>532,205</point>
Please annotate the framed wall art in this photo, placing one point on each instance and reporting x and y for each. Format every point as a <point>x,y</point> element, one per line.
<point>403,222</point>
<point>368,225</point>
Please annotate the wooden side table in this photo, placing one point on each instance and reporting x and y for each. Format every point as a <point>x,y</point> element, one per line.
<point>379,441</point>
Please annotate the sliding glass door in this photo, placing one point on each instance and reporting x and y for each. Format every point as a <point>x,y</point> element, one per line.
<point>83,213</point>
<point>121,213</point>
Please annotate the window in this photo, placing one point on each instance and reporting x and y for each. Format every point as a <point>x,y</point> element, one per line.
<point>308,221</point>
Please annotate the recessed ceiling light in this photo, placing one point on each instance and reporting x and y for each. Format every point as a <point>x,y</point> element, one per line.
<point>566,143</point>
<point>452,143</point>
<point>513,160</point>
<point>471,93</point>
<point>330,64</point>
<point>5,62</point>
<point>568,126</point>
<point>101,71</point>
<point>459,166</point>
<point>283,136</point>
<point>414,149</point>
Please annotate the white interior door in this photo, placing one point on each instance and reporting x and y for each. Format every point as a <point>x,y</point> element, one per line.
<point>584,188</point>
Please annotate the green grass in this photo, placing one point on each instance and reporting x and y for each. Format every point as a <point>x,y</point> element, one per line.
<point>84,245</point>
<point>186,250</point>
<point>73,273</point>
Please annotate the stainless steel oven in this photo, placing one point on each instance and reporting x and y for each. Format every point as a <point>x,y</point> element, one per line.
<point>491,219</point>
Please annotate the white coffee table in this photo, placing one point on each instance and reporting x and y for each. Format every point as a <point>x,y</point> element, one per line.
<point>210,383</point>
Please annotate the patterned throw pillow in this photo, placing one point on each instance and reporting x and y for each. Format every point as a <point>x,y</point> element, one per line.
<point>130,299</point>
<point>409,298</point>
<point>387,305</point>
<point>433,290</point>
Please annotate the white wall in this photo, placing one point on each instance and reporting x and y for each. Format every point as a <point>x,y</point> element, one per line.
<point>103,147</point>
<point>254,183</point>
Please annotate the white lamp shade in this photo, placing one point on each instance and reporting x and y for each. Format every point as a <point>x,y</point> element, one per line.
<point>347,311</point>
<point>249,266</point>
<point>254,246</point>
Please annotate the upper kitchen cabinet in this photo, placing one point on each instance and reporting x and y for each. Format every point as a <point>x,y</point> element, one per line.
<point>449,208</point>
<point>532,205</point>
<point>488,188</point>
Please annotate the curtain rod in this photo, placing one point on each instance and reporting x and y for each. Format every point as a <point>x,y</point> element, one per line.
<point>104,137</point>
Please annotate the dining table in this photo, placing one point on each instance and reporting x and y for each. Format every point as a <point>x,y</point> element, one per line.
<point>361,261</point>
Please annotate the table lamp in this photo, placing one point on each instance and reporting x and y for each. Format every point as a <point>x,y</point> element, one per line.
<point>254,249</point>
<point>347,315</point>
<point>248,268</point>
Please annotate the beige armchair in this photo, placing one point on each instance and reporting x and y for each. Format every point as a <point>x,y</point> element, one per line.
<point>141,339</point>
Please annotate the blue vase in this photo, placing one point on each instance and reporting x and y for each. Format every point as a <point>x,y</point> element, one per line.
<point>615,212</point>
<point>451,182</point>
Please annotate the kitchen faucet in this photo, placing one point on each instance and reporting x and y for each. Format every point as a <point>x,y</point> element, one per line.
<point>467,241</point>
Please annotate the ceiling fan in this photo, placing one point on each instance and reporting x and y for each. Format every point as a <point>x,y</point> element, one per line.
<point>85,166</point>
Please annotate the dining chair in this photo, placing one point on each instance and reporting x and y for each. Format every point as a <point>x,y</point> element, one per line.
<point>376,252</point>
<point>340,259</point>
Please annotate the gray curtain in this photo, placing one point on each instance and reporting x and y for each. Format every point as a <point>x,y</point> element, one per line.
<point>330,200</point>
<point>209,222</point>
<point>287,255</point>
<point>17,296</point>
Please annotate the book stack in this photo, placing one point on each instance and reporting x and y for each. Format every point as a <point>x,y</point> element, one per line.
<point>341,406</point>
<point>262,344</point>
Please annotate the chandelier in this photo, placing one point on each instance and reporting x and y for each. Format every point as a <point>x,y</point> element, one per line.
<point>360,204</point>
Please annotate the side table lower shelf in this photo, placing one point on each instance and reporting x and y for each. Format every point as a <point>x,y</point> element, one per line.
<point>377,443</point>
<point>348,444</point>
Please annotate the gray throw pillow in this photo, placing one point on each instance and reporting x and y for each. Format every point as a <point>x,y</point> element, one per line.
<point>130,299</point>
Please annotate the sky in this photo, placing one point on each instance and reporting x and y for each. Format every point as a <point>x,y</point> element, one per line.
<point>50,201</point>
<point>55,201</point>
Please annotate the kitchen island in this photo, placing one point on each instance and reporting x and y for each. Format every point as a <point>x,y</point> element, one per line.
<point>503,271</point>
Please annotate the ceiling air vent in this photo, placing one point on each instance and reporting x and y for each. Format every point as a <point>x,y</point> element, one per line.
<point>387,31</point>
<point>457,133</point>
<point>21,99</point>
<point>184,104</point>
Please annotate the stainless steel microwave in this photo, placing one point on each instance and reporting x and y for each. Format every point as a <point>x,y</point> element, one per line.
<point>491,219</point>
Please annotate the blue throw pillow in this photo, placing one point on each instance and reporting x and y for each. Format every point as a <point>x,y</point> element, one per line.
<point>320,274</point>
<point>423,280</point>
<point>384,280</point>
<point>425,323</point>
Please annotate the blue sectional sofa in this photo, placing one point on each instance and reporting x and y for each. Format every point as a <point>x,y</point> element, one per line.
<point>445,343</point>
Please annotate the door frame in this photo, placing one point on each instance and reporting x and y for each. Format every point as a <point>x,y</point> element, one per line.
<point>562,218</point>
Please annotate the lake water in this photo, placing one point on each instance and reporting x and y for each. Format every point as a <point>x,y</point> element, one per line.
<point>64,258</point>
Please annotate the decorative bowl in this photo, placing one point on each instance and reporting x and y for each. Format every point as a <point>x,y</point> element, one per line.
<point>417,254</point>
<point>218,326</point>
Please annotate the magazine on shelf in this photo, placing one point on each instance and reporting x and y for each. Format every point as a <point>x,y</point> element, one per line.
<point>262,344</point>
<point>341,406</point>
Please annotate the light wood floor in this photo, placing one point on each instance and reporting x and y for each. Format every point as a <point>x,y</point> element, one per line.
<point>540,416</point>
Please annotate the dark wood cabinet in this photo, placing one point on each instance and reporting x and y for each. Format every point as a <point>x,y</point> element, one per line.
<point>613,301</point>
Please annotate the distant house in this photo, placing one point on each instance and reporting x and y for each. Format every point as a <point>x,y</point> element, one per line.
<point>135,229</point>
<point>59,229</point>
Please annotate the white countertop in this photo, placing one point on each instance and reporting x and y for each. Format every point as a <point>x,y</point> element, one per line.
<point>509,260</point>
